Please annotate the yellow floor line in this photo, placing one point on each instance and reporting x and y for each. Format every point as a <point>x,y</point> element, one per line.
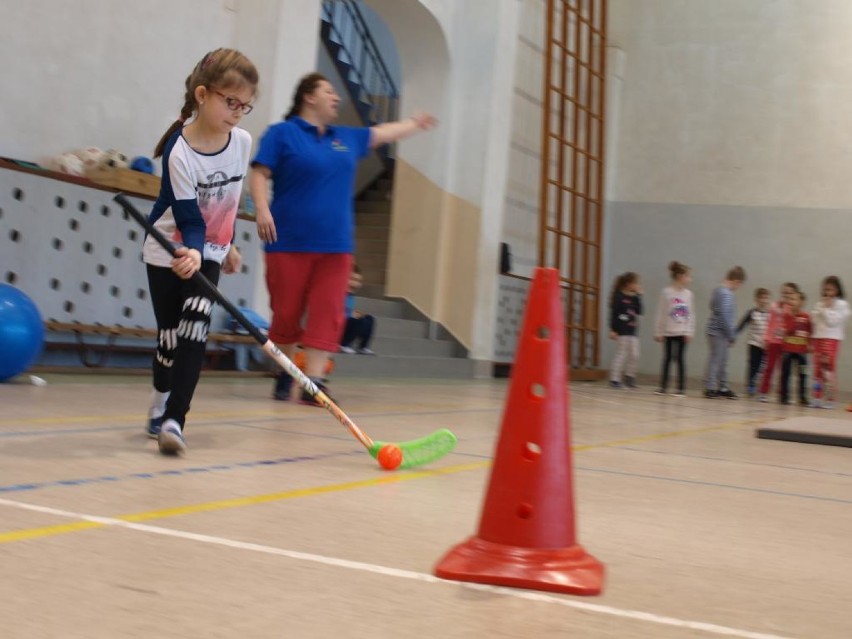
<point>225,504</point>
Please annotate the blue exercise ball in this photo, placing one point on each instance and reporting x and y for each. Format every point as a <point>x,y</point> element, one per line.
<point>21,332</point>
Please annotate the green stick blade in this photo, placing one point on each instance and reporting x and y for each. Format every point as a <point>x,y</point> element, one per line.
<point>425,450</point>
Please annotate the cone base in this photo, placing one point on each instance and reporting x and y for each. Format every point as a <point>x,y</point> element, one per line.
<point>567,570</point>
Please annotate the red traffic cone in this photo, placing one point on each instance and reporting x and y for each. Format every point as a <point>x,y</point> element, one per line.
<point>526,535</point>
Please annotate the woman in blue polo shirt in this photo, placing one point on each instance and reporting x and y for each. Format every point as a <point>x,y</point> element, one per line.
<point>308,229</point>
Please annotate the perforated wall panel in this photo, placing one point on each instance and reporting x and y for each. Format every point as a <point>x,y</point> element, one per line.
<point>79,256</point>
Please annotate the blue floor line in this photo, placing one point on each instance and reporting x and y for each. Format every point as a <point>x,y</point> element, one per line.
<point>106,479</point>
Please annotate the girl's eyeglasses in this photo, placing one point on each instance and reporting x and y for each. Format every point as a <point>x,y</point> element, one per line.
<point>233,104</point>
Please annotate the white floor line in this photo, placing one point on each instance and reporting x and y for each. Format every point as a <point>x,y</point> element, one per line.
<point>539,597</point>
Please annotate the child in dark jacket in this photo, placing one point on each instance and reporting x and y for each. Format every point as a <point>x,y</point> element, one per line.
<point>625,307</point>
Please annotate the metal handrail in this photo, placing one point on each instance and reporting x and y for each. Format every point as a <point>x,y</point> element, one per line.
<point>349,31</point>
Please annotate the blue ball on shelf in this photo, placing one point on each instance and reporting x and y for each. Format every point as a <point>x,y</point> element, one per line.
<point>142,164</point>
<point>21,332</point>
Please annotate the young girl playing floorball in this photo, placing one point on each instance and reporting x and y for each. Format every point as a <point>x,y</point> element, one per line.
<point>204,165</point>
<point>675,325</point>
<point>829,326</point>
<point>625,307</point>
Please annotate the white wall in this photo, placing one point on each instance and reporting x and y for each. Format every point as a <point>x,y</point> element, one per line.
<point>731,102</point>
<point>83,72</point>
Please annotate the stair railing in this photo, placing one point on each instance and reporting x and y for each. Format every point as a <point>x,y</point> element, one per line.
<point>369,84</point>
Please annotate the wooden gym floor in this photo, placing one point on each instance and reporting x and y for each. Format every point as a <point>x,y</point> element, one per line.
<point>277,523</point>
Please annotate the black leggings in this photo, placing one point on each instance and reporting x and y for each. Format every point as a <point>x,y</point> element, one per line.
<point>675,348</point>
<point>755,363</point>
<point>182,311</point>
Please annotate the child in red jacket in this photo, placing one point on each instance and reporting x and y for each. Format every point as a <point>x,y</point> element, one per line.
<point>794,348</point>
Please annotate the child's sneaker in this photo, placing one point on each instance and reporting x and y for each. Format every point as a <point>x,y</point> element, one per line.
<point>348,350</point>
<point>171,439</point>
<point>310,400</point>
<point>615,384</point>
<point>630,382</point>
<point>283,383</point>
<point>679,393</point>
<point>815,403</point>
<point>365,351</point>
<point>660,391</point>
<point>711,394</point>
<point>728,394</point>
<point>762,398</point>
<point>155,424</point>
<point>828,405</point>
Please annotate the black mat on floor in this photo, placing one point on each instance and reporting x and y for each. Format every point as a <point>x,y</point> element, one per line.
<point>809,430</point>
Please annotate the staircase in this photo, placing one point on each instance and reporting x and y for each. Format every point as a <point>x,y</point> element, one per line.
<point>372,234</point>
<point>407,343</point>
<point>347,38</point>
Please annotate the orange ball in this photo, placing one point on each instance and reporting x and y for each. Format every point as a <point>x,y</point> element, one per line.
<point>390,457</point>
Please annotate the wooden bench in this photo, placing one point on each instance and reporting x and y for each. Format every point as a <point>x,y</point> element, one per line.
<point>96,354</point>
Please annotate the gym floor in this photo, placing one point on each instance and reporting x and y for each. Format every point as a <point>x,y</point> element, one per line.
<point>278,524</point>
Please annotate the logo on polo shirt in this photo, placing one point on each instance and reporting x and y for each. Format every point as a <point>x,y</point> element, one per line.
<point>337,145</point>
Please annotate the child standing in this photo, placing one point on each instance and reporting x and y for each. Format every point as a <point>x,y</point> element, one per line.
<point>675,325</point>
<point>721,332</point>
<point>625,307</point>
<point>774,336</point>
<point>756,320</point>
<point>797,335</point>
<point>829,318</point>
<point>204,165</point>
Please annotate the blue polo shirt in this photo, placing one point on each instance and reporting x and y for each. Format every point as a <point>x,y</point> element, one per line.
<point>313,179</point>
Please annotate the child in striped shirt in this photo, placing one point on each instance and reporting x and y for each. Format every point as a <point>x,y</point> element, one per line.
<point>756,320</point>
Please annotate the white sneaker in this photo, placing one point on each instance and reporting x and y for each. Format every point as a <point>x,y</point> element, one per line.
<point>365,351</point>
<point>171,441</point>
<point>348,350</point>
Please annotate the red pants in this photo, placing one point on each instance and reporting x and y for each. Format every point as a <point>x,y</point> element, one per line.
<point>312,283</point>
<point>773,354</point>
<point>825,368</point>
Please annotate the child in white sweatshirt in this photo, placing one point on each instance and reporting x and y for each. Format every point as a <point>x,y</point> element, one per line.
<point>675,325</point>
<point>829,318</point>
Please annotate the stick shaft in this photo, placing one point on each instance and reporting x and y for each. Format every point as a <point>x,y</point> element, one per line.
<point>268,346</point>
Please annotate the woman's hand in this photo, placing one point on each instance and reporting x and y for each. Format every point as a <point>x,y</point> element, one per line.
<point>186,262</point>
<point>266,226</point>
<point>424,121</point>
<point>233,261</point>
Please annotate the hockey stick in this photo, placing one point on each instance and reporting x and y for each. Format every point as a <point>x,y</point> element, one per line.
<point>416,452</point>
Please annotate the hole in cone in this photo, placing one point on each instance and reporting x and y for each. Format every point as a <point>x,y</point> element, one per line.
<point>525,511</point>
<point>542,332</point>
<point>538,390</point>
<point>532,451</point>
